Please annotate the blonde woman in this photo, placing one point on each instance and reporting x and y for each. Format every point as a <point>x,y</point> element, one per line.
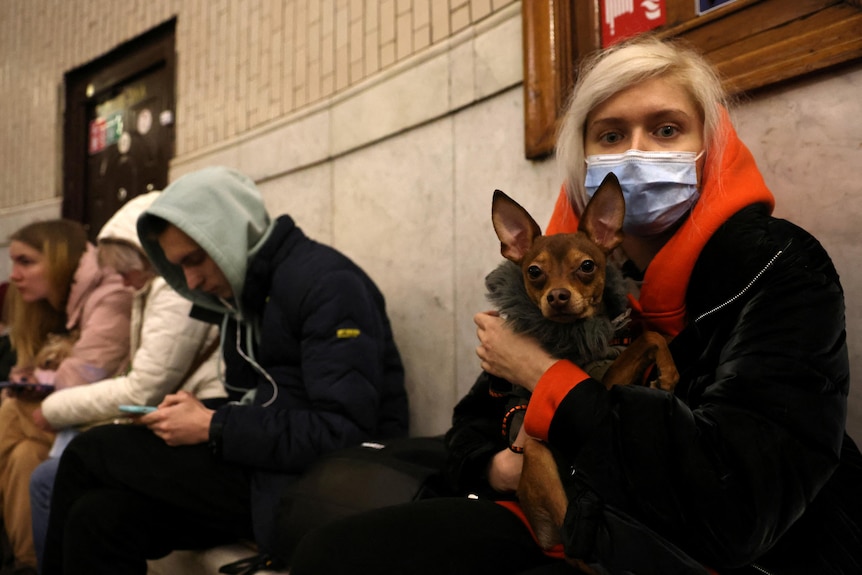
<point>58,290</point>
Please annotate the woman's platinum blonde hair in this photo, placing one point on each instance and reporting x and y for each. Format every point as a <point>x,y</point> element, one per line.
<point>122,256</point>
<point>622,66</point>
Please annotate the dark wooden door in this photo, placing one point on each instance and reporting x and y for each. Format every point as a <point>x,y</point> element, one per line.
<point>119,128</point>
<point>130,137</point>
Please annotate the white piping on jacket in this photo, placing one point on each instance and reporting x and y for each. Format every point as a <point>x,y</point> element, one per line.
<point>746,288</point>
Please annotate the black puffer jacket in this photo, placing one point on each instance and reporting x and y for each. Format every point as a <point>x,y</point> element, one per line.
<point>718,473</point>
<point>725,466</point>
<point>306,339</point>
<point>326,343</point>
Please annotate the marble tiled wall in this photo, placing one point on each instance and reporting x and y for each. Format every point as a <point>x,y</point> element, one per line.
<point>242,64</point>
<point>399,174</point>
<point>251,62</point>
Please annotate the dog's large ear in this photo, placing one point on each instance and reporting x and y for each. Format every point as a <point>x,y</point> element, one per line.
<point>514,226</point>
<point>603,217</point>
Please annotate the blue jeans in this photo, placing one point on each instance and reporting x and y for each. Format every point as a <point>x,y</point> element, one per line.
<point>41,486</point>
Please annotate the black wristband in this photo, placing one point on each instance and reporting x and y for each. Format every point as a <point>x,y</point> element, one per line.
<point>215,438</point>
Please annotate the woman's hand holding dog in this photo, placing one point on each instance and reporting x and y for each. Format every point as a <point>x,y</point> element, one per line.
<point>516,358</point>
<point>504,471</point>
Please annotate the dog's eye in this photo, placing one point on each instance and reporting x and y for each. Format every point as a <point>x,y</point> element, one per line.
<point>534,272</point>
<point>588,266</point>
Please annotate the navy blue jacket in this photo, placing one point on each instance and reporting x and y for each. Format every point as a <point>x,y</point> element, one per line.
<point>331,374</point>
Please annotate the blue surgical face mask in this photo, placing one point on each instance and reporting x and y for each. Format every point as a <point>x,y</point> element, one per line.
<point>659,187</point>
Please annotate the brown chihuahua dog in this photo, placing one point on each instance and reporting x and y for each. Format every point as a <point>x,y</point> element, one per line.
<point>564,275</point>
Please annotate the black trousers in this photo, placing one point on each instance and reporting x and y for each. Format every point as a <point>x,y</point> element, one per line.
<point>122,496</point>
<point>451,536</point>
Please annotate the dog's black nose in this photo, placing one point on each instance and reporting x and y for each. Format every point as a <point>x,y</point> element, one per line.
<point>559,297</point>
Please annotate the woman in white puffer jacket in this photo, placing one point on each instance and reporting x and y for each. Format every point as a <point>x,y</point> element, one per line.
<point>164,343</point>
<point>170,351</point>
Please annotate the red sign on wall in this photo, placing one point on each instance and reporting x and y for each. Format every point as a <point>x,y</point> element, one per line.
<point>625,18</point>
<point>97,135</point>
<point>105,132</point>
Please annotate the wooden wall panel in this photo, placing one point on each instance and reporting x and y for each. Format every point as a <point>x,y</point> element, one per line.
<point>753,44</point>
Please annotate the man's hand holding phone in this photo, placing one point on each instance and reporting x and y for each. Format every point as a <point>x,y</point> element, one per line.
<point>181,419</point>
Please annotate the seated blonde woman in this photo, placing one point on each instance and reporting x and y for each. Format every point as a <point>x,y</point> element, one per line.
<point>63,302</point>
<point>170,351</point>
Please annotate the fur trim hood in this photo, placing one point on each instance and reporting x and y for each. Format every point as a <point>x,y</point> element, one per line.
<point>581,342</point>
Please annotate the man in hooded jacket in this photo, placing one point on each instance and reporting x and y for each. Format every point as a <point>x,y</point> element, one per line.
<point>310,366</point>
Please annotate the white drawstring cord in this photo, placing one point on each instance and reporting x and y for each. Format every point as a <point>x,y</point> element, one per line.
<point>247,357</point>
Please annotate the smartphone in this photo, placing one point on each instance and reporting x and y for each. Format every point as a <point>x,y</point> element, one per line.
<point>26,386</point>
<point>137,409</point>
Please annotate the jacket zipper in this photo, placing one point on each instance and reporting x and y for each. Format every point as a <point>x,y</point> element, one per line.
<point>719,307</point>
<point>756,277</point>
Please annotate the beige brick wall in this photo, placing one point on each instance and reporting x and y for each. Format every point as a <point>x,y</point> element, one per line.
<point>40,40</point>
<point>241,64</point>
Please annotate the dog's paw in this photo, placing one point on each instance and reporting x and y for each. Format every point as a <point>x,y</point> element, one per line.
<point>665,378</point>
<point>541,493</point>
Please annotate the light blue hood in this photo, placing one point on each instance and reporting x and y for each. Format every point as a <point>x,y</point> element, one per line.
<point>220,209</point>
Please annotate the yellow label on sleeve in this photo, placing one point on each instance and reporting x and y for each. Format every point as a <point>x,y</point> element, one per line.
<point>346,333</point>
